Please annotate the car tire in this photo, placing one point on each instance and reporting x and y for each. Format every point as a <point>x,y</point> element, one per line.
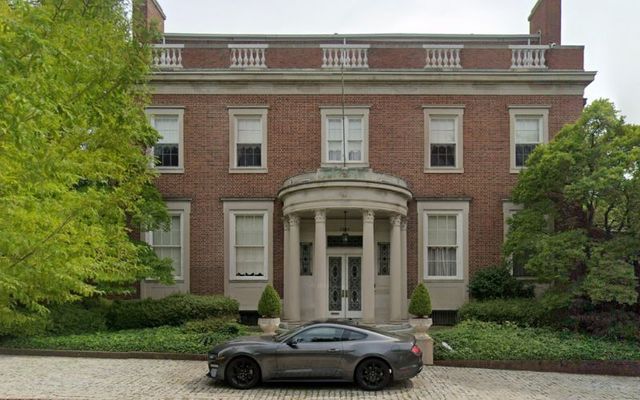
<point>242,373</point>
<point>373,374</point>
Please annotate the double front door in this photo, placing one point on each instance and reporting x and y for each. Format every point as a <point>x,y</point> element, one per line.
<point>345,285</point>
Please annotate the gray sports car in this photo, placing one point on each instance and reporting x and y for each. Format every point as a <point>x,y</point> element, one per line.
<point>318,351</point>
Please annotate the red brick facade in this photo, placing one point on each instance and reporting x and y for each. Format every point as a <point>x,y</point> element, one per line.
<point>396,130</point>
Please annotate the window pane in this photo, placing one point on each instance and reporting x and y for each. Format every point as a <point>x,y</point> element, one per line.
<point>305,259</point>
<point>528,130</point>
<point>174,253</point>
<point>443,155</point>
<point>522,153</point>
<point>335,151</point>
<point>249,261</point>
<point>249,155</point>
<point>441,261</point>
<point>355,128</point>
<point>354,150</point>
<point>334,129</point>
<point>249,230</point>
<point>167,154</point>
<point>383,258</point>
<point>249,130</point>
<point>441,230</point>
<point>321,334</point>
<point>442,130</point>
<point>167,126</point>
<point>170,237</point>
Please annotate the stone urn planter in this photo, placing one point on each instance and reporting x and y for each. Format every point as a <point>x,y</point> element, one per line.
<point>269,309</point>
<point>420,327</point>
<point>420,306</point>
<point>269,326</point>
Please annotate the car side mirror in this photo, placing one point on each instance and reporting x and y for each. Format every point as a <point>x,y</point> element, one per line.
<point>293,343</point>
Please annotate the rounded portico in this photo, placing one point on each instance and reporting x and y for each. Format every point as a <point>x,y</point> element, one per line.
<point>345,245</point>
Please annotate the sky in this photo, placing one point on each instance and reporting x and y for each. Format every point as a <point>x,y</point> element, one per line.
<point>609,30</point>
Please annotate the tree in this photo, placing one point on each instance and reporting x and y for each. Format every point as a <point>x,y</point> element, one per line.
<point>580,226</point>
<point>74,175</point>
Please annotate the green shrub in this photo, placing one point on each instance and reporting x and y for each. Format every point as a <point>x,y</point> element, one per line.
<point>269,304</point>
<point>80,317</point>
<point>497,283</point>
<point>226,326</point>
<point>173,310</point>
<point>523,312</point>
<point>477,340</point>
<point>420,304</point>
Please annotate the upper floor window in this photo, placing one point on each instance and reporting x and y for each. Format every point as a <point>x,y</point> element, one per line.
<point>248,139</point>
<point>345,136</point>
<point>168,151</point>
<point>529,128</point>
<point>443,138</point>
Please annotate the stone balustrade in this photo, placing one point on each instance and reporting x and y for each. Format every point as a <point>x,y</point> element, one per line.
<point>167,56</point>
<point>248,55</point>
<point>528,57</point>
<point>344,56</point>
<point>442,56</point>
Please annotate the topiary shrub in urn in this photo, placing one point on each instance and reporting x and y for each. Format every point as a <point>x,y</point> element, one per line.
<point>420,307</point>
<point>269,310</point>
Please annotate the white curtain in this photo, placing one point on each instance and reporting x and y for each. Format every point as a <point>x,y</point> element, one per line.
<point>249,245</point>
<point>528,130</point>
<point>249,130</point>
<point>167,127</point>
<point>442,245</point>
<point>442,130</point>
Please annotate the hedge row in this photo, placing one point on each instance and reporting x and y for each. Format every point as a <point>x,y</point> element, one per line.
<point>522,312</point>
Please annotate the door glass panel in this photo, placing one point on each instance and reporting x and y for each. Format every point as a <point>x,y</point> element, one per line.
<point>354,287</point>
<point>335,283</point>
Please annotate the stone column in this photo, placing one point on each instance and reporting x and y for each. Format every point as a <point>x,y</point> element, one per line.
<point>320,266</point>
<point>285,270</point>
<point>403,289</point>
<point>395,292</point>
<point>368,268</point>
<point>292,292</point>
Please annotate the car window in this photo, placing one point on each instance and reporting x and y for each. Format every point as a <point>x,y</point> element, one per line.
<point>320,334</point>
<point>349,335</point>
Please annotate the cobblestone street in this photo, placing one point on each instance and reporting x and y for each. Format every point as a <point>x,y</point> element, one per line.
<point>26,377</point>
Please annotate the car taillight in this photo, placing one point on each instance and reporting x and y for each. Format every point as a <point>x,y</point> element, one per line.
<point>416,350</point>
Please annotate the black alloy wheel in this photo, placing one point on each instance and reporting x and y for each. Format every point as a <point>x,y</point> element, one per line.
<point>242,373</point>
<point>373,374</point>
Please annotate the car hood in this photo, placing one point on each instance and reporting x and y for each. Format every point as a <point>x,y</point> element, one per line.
<point>244,341</point>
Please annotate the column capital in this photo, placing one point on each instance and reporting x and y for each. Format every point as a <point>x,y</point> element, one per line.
<point>395,219</point>
<point>368,216</point>
<point>403,224</point>
<point>320,216</point>
<point>285,222</point>
<point>294,220</point>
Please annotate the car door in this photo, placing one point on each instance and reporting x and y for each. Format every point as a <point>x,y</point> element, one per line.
<point>315,353</point>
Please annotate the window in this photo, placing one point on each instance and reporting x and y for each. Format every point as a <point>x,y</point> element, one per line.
<point>248,139</point>
<point>518,260</point>
<point>384,251</point>
<point>169,243</point>
<point>320,334</point>
<point>529,128</point>
<point>168,151</point>
<point>351,147</point>
<point>442,245</point>
<point>305,259</point>
<point>349,335</point>
<point>443,138</point>
<point>250,250</point>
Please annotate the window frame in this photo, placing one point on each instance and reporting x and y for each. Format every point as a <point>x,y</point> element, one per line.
<point>349,111</point>
<point>236,113</point>
<point>529,112</point>
<point>173,110</point>
<point>449,111</point>
<point>510,209</point>
<point>459,244</point>
<point>265,244</point>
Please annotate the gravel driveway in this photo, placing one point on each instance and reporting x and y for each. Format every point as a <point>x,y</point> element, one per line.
<point>29,377</point>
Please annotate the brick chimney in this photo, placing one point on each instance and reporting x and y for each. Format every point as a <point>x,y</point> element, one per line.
<point>152,14</point>
<point>545,19</point>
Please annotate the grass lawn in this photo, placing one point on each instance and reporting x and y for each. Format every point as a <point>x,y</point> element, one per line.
<point>470,340</point>
<point>475,340</point>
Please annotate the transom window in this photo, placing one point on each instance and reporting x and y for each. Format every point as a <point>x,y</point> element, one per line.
<point>249,235</point>
<point>529,128</point>
<point>168,244</point>
<point>443,139</point>
<point>168,151</point>
<point>443,237</point>
<point>248,140</point>
<point>345,138</point>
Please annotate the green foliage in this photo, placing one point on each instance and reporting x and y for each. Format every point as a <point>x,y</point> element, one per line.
<point>80,317</point>
<point>420,304</point>
<point>225,325</point>
<point>173,310</point>
<point>72,130</point>
<point>477,340</point>
<point>497,283</point>
<point>523,312</point>
<point>581,220</point>
<point>269,304</point>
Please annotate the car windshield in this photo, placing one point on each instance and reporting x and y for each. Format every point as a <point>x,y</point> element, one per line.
<point>286,335</point>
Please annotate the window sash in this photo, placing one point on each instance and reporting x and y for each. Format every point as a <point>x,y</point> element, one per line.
<point>443,130</point>
<point>249,140</point>
<point>168,126</point>
<point>249,247</point>
<point>354,137</point>
<point>524,131</point>
<point>163,242</point>
<point>443,245</point>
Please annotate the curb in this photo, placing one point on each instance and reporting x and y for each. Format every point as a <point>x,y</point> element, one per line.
<point>596,367</point>
<point>103,354</point>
